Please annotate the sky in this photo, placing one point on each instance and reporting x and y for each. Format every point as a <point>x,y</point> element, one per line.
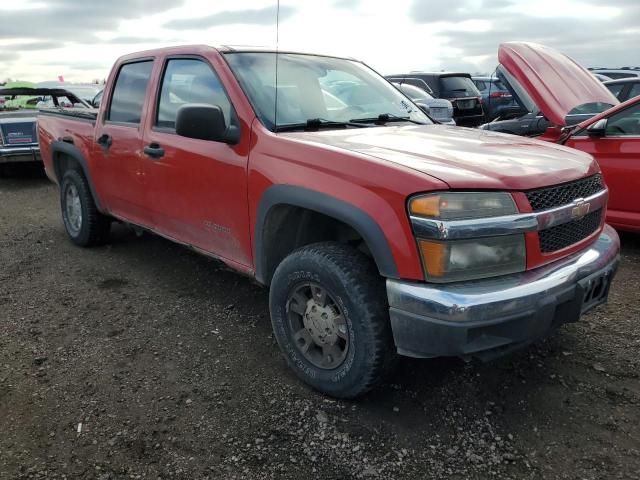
<point>80,39</point>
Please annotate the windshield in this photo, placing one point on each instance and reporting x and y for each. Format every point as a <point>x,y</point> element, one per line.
<point>314,87</point>
<point>84,92</point>
<point>590,108</point>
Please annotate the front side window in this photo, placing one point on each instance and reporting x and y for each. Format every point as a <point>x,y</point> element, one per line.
<point>188,80</point>
<point>414,93</point>
<point>635,90</point>
<point>625,123</point>
<point>129,92</point>
<point>419,83</point>
<point>616,89</point>
<point>312,87</point>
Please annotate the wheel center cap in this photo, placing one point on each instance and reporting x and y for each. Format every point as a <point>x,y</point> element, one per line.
<point>319,322</point>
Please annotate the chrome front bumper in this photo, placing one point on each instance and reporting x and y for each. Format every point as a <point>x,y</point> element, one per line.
<point>486,318</point>
<point>19,154</point>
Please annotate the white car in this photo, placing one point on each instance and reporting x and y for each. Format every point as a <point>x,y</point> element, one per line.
<point>439,109</point>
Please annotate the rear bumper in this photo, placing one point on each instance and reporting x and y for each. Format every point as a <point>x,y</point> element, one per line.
<point>19,154</point>
<point>488,318</point>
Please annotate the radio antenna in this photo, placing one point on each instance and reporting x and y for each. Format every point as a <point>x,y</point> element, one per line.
<point>275,110</point>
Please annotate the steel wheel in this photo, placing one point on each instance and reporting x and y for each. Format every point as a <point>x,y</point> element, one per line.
<point>318,326</point>
<point>73,209</point>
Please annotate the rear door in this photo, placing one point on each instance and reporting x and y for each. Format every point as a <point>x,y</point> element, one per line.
<point>198,188</point>
<point>118,161</point>
<point>618,154</point>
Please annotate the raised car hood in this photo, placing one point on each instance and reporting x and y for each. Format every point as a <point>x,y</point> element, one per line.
<point>461,157</point>
<point>555,82</point>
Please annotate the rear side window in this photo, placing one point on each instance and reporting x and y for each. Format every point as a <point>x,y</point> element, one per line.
<point>186,81</point>
<point>499,85</point>
<point>129,92</point>
<point>480,84</point>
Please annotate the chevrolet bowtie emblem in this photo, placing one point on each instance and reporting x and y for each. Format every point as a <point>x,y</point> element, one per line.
<point>581,209</point>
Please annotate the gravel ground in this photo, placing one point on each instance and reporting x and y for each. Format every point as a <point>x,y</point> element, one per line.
<point>142,359</point>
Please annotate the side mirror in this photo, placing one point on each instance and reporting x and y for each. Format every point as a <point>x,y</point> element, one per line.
<point>598,129</point>
<point>424,107</point>
<point>205,122</point>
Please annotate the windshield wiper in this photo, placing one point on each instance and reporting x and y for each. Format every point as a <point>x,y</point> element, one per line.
<point>318,123</point>
<point>386,118</point>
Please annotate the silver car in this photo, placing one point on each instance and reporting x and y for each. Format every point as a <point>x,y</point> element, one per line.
<point>439,109</point>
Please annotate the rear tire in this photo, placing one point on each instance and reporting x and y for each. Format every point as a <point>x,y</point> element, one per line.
<point>84,224</point>
<point>331,319</point>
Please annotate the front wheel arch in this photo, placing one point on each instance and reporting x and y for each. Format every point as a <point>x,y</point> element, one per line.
<point>351,216</point>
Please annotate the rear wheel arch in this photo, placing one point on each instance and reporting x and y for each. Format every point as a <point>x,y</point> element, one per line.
<point>67,156</point>
<point>290,217</point>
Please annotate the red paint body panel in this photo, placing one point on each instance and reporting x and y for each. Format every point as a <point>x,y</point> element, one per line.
<point>207,194</point>
<point>619,159</point>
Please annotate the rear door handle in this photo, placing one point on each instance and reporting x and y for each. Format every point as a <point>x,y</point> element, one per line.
<point>104,140</point>
<point>154,150</point>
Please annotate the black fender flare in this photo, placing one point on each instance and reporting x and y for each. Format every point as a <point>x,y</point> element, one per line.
<point>319,202</point>
<point>68,149</point>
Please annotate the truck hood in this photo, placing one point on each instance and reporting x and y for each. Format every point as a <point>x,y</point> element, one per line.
<point>462,157</point>
<point>555,82</point>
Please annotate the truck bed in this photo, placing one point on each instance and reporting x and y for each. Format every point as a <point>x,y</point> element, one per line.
<point>79,113</point>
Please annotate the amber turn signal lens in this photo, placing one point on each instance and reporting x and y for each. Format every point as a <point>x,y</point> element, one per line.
<point>427,206</point>
<point>433,256</point>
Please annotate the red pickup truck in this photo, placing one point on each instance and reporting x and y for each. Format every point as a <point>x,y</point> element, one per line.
<point>377,231</point>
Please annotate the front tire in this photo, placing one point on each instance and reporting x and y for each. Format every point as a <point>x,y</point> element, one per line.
<point>331,319</point>
<point>84,224</point>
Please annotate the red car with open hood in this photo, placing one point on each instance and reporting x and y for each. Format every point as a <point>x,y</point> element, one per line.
<point>560,87</point>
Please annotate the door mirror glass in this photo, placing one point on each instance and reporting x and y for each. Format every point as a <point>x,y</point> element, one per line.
<point>205,122</point>
<point>598,129</point>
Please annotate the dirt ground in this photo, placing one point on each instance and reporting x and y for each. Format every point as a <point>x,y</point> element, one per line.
<point>142,359</point>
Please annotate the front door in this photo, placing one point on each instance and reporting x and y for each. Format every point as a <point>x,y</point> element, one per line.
<point>197,188</point>
<point>618,154</point>
<point>117,149</point>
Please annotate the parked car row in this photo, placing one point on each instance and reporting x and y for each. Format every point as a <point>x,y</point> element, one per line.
<point>18,131</point>
<point>458,88</point>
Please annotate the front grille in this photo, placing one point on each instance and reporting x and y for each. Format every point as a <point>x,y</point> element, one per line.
<point>550,197</point>
<point>561,236</point>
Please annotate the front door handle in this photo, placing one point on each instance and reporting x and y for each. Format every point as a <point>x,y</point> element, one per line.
<point>154,150</point>
<point>104,140</point>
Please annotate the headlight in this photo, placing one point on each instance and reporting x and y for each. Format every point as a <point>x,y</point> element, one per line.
<point>462,205</point>
<point>471,258</point>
